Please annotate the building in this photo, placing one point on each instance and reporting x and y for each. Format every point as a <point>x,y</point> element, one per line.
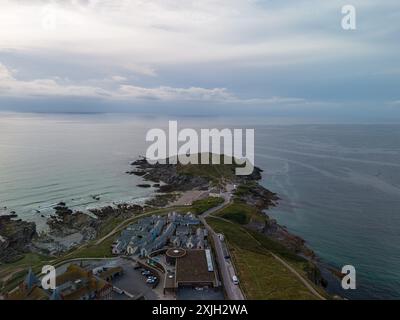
<point>28,289</point>
<point>110,273</point>
<point>193,268</point>
<point>76,283</point>
<point>189,219</point>
<point>155,232</point>
<point>182,230</point>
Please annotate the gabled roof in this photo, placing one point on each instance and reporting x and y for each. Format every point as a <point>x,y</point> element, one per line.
<point>55,295</point>
<point>31,280</point>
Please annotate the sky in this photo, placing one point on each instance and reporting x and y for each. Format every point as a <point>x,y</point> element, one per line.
<point>253,57</point>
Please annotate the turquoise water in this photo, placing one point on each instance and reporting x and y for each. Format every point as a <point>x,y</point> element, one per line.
<point>48,159</point>
<point>339,184</point>
<point>340,190</point>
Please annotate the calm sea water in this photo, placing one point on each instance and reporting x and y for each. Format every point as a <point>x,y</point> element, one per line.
<point>339,184</point>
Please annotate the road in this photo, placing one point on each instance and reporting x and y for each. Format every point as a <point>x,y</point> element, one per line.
<point>233,291</point>
<point>288,266</point>
<point>227,269</point>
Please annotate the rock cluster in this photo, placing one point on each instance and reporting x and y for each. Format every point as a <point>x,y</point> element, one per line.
<point>15,237</point>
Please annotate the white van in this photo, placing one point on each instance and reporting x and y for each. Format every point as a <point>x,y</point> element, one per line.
<point>235,280</point>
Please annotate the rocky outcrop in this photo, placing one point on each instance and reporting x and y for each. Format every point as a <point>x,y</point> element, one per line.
<point>144,185</point>
<point>66,222</point>
<point>15,237</point>
<point>256,195</point>
<point>121,210</point>
<point>289,240</point>
<point>68,228</point>
<point>168,174</point>
<point>175,177</point>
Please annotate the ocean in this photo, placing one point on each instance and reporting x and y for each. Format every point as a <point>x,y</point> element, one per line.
<point>339,184</point>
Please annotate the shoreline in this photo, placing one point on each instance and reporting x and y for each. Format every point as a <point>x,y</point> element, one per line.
<point>69,229</point>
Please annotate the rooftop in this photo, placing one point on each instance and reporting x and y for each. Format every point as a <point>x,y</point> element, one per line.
<point>193,268</point>
<point>176,253</point>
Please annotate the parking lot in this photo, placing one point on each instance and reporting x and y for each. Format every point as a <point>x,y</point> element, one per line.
<point>133,282</point>
<point>200,294</point>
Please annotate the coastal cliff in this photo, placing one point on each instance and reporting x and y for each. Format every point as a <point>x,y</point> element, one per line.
<point>16,237</point>
<point>248,206</point>
<point>250,200</point>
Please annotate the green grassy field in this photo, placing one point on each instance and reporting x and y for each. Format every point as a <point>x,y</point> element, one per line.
<point>18,270</point>
<point>241,213</point>
<point>261,275</point>
<point>200,206</point>
<point>212,172</point>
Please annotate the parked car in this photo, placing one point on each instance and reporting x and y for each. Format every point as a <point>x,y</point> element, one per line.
<point>235,280</point>
<point>118,290</point>
<point>146,273</point>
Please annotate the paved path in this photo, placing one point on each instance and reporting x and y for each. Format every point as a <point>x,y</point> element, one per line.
<point>233,291</point>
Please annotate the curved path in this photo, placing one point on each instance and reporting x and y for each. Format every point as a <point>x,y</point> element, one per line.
<point>232,291</point>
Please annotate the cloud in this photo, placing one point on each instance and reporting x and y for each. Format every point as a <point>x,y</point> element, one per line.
<point>248,52</point>
<point>165,93</point>
<point>118,78</point>
<point>12,87</point>
<point>5,73</point>
<point>145,35</point>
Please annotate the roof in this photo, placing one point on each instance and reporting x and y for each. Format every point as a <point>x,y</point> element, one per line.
<point>193,268</point>
<point>56,295</point>
<point>176,253</point>
<point>31,280</point>
<point>110,272</point>
<point>35,294</point>
<point>73,273</point>
<point>89,285</point>
<point>182,229</point>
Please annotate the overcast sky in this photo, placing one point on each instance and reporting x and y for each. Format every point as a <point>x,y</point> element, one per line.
<point>192,56</point>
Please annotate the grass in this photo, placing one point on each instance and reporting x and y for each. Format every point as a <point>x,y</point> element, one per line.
<point>105,228</point>
<point>202,205</point>
<point>212,172</point>
<point>102,250</point>
<point>265,278</point>
<point>20,269</point>
<point>241,213</point>
<point>245,188</point>
<point>261,275</point>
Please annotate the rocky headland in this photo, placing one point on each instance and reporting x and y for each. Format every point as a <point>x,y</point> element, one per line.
<point>177,178</point>
<point>16,237</point>
<point>68,229</point>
